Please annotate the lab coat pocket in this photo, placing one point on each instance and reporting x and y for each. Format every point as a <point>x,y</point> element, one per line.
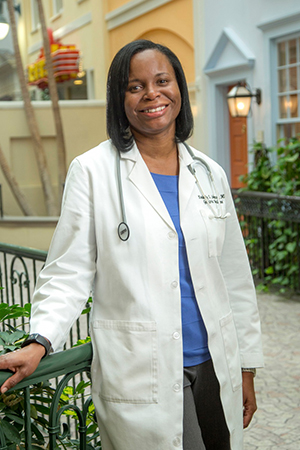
<point>127,360</point>
<point>231,348</point>
<point>215,230</point>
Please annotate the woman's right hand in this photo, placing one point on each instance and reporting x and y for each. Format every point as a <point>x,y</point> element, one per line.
<point>22,362</point>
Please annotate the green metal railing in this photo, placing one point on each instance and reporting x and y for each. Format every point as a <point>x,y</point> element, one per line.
<point>67,364</point>
<point>19,268</point>
<point>271,229</point>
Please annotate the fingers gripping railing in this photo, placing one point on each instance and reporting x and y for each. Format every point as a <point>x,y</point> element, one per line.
<point>67,364</point>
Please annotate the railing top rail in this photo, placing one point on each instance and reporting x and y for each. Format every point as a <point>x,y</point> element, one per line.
<point>25,252</point>
<point>267,205</point>
<point>264,195</point>
<point>55,365</point>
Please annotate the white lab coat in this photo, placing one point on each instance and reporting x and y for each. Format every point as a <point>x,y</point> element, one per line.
<point>137,368</point>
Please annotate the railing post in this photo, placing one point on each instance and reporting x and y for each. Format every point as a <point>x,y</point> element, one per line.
<point>82,436</point>
<point>27,418</point>
<point>298,254</point>
<point>53,432</point>
<point>263,252</point>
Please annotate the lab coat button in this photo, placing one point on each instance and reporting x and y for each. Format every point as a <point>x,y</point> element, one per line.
<point>176,387</point>
<point>171,235</point>
<point>174,284</point>
<point>176,335</point>
<point>177,442</point>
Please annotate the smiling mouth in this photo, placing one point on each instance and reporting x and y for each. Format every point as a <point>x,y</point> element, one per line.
<point>153,110</point>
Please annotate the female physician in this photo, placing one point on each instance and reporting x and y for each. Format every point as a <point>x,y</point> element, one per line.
<point>149,226</point>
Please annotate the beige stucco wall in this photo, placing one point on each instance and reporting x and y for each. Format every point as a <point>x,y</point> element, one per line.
<point>84,127</point>
<point>114,4</point>
<point>28,232</point>
<point>156,25</point>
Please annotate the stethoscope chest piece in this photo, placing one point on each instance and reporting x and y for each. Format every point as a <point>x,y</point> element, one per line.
<point>123,231</point>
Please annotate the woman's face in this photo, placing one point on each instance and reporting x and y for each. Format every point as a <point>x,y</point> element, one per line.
<point>152,98</point>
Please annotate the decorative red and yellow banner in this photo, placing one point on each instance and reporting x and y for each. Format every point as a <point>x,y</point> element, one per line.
<point>65,64</point>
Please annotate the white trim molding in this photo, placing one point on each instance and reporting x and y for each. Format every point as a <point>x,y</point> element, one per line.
<point>241,56</point>
<point>62,103</point>
<point>131,10</point>
<point>55,17</point>
<point>279,21</point>
<point>63,31</point>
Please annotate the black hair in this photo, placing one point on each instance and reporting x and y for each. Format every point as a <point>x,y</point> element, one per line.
<point>117,82</point>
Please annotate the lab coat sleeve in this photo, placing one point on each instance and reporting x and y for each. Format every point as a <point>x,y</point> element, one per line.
<point>64,285</point>
<point>239,282</point>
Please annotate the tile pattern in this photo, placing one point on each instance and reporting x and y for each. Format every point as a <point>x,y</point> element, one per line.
<point>276,423</point>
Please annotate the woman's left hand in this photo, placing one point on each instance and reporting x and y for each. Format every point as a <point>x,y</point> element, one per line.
<point>249,400</point>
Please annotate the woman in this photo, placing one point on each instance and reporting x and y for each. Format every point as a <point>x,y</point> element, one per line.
<point>173,291</point>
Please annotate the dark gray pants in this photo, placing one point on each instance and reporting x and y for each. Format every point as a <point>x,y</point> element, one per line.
<point>204,425</point>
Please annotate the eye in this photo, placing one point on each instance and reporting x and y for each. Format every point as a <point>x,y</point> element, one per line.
<point>134,88</point>
<point>162,81</point>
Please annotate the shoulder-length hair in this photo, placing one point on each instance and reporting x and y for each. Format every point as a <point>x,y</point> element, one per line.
<point>117,82</point>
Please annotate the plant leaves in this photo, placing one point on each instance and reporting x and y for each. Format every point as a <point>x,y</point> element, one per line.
<point>11,433</point>
<point>38,433</point>
<point>291,246</point>
<point>14,417</point>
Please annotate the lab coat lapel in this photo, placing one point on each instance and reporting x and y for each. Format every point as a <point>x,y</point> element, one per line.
<point>186,179</point>
<point>143,181</point>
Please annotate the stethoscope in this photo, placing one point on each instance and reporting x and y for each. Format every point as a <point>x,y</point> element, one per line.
<point>123,228</point>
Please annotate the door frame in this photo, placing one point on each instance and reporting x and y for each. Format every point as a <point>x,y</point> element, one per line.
<point>218,122</point>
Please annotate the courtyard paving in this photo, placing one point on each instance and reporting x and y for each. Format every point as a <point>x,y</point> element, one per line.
<point>276,423</point>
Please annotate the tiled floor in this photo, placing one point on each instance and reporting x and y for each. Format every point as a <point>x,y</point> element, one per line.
<point>276,423</point>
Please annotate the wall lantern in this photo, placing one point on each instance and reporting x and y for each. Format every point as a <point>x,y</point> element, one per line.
<point>239,100</point>
<point>4,25</point>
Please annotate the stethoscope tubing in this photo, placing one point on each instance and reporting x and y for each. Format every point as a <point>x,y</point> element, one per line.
<point>123,228</point>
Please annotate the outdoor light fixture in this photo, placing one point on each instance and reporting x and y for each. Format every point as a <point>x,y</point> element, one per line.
<point>4,25</point>
<point>239,100</point>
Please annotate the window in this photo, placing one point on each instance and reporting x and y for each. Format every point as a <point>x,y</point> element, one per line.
<point>57,6</point>
<point>35,19</point>
<point>288,87</point>
<point>73,89</point>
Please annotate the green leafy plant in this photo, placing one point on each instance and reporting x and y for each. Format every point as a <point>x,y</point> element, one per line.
<point>259,179</point>
<point>12,339</point>
<point>283,177</point>
<point>286,175</point>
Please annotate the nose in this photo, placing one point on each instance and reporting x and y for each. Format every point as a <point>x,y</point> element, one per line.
<point>151,93</point>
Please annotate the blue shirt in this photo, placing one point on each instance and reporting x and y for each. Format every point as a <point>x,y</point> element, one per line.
<point>195,347</point>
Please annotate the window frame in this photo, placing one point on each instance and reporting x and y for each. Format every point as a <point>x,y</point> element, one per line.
<point>35,20</point>
<point>57,9</point>
<point>285,123</point>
